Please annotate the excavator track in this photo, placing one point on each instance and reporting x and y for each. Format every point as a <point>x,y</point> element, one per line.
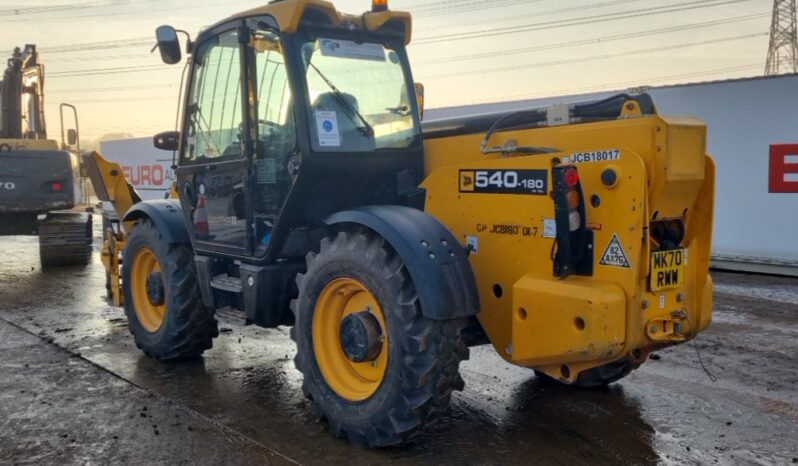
<point>65,238</point>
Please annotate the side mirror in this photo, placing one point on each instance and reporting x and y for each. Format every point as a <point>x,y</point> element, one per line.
<point>72,137</point>
<point>420,99</point>
<point>168,140</point>
<point>168,44</point>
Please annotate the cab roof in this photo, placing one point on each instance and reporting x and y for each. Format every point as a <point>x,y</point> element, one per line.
<point>289,14</point>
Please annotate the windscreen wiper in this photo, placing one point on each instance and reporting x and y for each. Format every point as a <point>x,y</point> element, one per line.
<point>351,110</point>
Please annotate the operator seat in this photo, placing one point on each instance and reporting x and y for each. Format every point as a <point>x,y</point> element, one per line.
<point>351,137</point>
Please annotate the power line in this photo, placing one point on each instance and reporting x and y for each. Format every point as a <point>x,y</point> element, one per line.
<point>466,6</point>
<point>142,41</point>
<point>83,59</point>
<point>114,70</point>
<point>474,5</point>
<point>146,40</point>
<point>110,89</point>
<point>597,40</point>
<point>130,99</point>
<point>597,57</point>
<point>135,12</point>
<point>693,5</point>
<point>420,6</point>
<point>100,45</point>
<point>538,14</point>
<point>59,7</point>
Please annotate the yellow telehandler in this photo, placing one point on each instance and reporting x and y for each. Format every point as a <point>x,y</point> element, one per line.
<point>574,239</point>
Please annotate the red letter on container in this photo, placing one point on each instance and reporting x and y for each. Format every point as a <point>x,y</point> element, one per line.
<point>784,168</point>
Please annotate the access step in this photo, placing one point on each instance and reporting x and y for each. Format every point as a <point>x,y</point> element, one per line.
<point>225,282</point>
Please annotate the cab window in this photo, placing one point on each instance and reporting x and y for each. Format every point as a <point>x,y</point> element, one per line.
<point>214,111</point>
<point>276,148</point>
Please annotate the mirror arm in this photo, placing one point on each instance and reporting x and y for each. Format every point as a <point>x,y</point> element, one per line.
<point>189,42</point>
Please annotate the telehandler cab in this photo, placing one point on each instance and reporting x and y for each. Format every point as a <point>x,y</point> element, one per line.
<point>574,239</point>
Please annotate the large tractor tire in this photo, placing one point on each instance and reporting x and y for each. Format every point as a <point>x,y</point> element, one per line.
<point>376,370</point>
<point>598,376</point>
<point>162,298</point>
<point>65,238</point>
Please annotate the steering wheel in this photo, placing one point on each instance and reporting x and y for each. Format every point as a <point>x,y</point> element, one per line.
<point>271,128</point>
<point>261,123</point>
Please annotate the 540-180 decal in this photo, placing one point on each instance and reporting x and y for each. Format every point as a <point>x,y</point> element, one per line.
<point>504,181</point>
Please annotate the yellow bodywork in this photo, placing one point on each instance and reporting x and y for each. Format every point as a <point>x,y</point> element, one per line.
<point>28,144</point>
<point>289,13</point>
<point>110,185</point>
<point>564,326</point>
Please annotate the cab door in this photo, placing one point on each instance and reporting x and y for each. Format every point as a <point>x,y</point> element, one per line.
<point>212,176</point>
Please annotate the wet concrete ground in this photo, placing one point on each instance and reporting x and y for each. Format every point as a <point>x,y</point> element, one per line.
<point>74,389</point>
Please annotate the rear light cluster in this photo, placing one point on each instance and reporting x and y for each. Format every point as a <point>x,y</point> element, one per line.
<point>573,197</point>
<point>57,186</point>
<point>573,248</point>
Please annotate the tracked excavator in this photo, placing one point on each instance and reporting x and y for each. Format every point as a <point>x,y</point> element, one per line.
<point>40,179</point>
<point>573,239</point>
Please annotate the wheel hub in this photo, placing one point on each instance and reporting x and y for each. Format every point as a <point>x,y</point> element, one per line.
<point>342,345</point>
<point>155,290</point>
<point>361,336</point>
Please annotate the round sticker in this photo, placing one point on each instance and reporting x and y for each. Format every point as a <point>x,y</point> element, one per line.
<point>327,125</point>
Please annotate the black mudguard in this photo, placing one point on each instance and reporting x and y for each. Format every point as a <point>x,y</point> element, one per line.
<point>167,216</point>
<point>437,263</point>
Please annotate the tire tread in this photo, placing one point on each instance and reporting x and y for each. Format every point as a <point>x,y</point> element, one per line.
<point>432,351</point>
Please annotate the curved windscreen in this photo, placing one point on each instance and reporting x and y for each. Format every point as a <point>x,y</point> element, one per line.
<point>358,94</point>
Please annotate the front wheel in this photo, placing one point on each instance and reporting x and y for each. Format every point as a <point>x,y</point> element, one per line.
<point>162,303</point>
<point>375,368</point>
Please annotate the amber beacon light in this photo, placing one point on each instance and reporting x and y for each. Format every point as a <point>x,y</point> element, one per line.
<point>379,5</point>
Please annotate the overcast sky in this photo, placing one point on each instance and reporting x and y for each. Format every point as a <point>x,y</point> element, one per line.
<point>465,51</point>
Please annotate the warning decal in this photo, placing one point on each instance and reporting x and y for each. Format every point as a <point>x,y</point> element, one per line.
<point>614,255</point>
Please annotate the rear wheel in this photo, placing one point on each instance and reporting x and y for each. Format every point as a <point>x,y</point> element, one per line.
<point>162,304</point>
<point>375,368</point>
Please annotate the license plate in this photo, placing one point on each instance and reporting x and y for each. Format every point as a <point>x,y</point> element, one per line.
<point>667,269</point>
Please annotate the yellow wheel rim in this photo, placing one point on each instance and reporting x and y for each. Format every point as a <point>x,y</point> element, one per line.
<point>353,381</point>
<point>150,315</point>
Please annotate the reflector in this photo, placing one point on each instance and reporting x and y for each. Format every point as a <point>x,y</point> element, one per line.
<point>573,199</point>
<point>571,177</point>
<point>574,221</point>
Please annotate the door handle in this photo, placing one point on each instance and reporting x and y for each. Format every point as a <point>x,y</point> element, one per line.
<point>191,197</point>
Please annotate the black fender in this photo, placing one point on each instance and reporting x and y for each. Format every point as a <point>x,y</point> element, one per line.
<point>167,216</point>
<point>436,261</point>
